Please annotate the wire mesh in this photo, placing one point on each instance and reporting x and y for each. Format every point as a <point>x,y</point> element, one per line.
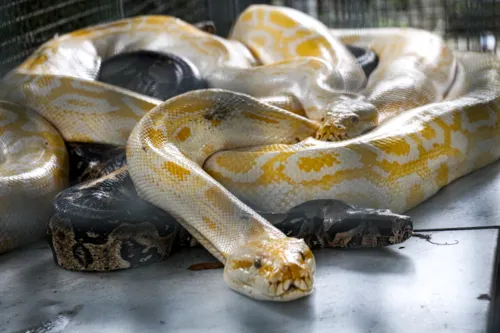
<point>465,24</point>
<point>25,24</point>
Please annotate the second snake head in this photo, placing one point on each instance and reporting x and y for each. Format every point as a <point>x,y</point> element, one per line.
<point>279,269</point>
<point>347,118</point>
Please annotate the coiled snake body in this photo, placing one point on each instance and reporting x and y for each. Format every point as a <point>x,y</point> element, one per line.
<point>211,157</point>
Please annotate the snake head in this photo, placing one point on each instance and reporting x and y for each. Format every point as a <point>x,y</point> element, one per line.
<point>367,227</point>
<point>347,118</point>
<point>272,269</point>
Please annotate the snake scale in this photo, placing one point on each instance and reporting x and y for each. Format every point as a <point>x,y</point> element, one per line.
<point>289,118</point>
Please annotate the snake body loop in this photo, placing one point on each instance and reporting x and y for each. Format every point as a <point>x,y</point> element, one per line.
<point>226,226</point>
<point>33,169</point>
<point>101,225</point>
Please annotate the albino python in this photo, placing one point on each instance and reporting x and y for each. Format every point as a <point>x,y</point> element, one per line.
<point>212,157</point>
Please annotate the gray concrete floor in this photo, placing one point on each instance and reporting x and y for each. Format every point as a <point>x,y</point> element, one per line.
<point>472,201</point>
<point>415,287</point>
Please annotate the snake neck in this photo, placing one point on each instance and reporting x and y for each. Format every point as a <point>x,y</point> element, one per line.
<point>175,140</point>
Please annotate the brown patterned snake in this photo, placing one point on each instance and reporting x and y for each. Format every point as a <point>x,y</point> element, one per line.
<point>207,156</point>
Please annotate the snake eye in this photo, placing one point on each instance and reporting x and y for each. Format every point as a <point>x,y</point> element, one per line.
<point>302,255</point>
<point>257,263</point>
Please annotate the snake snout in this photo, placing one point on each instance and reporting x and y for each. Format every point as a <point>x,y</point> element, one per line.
<point>290,286</point>
<point>406,224</point>
<point>280,269</point>
<point>346,119</point>
<point>292,271</point>
<point>402,229</point>
<point>295,279</point>
<point>289,276</point>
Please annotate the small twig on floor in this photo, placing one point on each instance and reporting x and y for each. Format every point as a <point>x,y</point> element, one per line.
<point>428,238</point>
<point>205,265</point>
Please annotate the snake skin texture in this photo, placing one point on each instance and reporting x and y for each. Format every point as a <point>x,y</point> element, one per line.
<point>333,223</point>
<point>33,169</point>
<point>101,225</point>
<point>214,157</point>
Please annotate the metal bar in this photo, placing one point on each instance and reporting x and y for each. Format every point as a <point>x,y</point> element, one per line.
<point>119,5</point>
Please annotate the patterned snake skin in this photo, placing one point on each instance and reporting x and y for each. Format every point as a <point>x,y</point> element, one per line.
<point>101,224</point>
<point>214,158</point>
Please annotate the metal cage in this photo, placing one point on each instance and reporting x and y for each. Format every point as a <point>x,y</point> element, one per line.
<point>465,24</point>
<point>25,24</point>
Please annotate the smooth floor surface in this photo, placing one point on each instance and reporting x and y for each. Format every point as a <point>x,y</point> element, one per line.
<point>413,287</point>
<point>468,202</point>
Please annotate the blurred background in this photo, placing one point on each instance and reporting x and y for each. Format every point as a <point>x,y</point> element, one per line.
<point>465,24</point>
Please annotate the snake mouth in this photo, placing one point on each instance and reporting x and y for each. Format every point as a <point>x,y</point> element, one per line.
<point>283,289</point>
<point>274,291</point>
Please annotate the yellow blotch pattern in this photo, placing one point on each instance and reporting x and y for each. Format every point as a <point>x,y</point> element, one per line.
<point>416,195</point>
<point>328,181</point>
<point>218,200</point>
<point>179,172</point>
<point>477,113</point>
<point>245,264</point>
<point>428,132</point>
<point>155,137</point>
<point>179,105</point>
<point>314,43</point>
<point>316,163</point>
<point>442,175</point>
<point>394,146</point>
<point>273,171</point>
<point>314,47</point>
<point>231,165</point>
<point>208,149</point>
<point>245,17</point>
<point>184,134</point>
<point>34,62</point>
<point>256,230</point>
<point>282,20</point>
<point>256,43</point>
<point>211,224</point>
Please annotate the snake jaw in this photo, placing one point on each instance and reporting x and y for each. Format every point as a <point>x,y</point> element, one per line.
<point>347,118</point>
<point>272,269</point>
<point>403,230</point>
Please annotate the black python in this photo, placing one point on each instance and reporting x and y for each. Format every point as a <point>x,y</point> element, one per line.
<point>101,224</point>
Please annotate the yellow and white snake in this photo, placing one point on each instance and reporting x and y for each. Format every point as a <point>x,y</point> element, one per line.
<point>423,118</point>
